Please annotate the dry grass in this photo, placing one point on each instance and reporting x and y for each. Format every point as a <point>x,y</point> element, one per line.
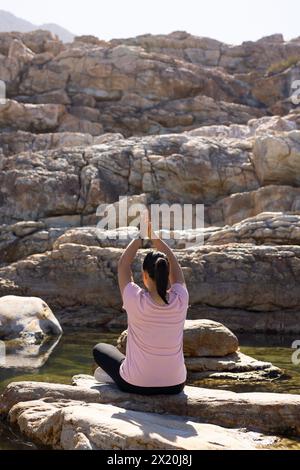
<point>283,65</point>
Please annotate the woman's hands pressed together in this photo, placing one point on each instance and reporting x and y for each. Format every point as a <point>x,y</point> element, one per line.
<point>176,273</point>
<point>126,259</point>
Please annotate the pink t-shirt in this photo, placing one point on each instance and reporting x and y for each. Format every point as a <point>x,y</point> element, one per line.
<point>154,350</point>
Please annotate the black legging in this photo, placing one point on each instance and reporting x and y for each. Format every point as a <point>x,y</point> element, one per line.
<point>109,358</point>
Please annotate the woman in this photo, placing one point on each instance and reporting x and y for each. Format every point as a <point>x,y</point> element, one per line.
<point>154,361</point>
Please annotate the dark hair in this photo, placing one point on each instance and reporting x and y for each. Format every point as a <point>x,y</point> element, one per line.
<point>157,266</point>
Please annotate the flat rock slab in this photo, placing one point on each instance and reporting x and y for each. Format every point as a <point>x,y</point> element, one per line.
<point>77,425</point>
<point>269,413</point>
<point>236,366</point>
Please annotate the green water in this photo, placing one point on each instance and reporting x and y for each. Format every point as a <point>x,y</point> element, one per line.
<point>73,356</point>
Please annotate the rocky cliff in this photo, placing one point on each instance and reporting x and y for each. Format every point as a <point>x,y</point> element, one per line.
<point>173,118</point>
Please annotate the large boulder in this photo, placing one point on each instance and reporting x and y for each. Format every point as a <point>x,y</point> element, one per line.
<point>39,118</point>
<point>26,318</point>
<point>29,332</point>
<point>22,239</point>
<point>276,158</point>
<point>200,338</point>
<point>239,206</point>
<point>38,41</point>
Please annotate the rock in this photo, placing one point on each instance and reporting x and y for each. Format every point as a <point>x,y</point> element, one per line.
<point>90,39</point>
<point>200,338</point>
<point>121,80</point>
<point>151,83</point>
<point>26,318</point>
<point>37,41</point>
<point>180,45</point>
<point>20,52</point>
<point>211,274</point>
<point>119,65</point>
<point>239,206</point>
<point>246,57</point>
<point>276,158</point>
<point>55,97</point>
<point>254,127</point>
<point>21,229</point>
<point>71,123</point>
<point>44,117</point>
<point>21,141</point>
<point>26,238</point>
<point>272,39</point>
<point>72,425</point>
<point>237,367</point>
<point>283,321</point>
<point>29,330</point>
<point>270,413</point>
<point>132,167</point>
<point>270,228</point>
<point>271,125</point>
<point>91,236</point>
<point>245,200</point>
<point>172,118</point>
<point>200,181</point>
<point>294,116</point>
<point>272,89</point>
<point>56,189</point>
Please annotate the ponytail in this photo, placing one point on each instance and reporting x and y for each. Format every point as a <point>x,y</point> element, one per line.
<point>157,265</point>
<point>161,274</point>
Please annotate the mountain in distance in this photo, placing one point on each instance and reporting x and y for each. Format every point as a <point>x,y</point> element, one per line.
<point>63,34</point>
<point>10,22</point>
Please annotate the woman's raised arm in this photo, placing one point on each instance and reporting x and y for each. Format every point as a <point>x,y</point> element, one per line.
<point>125,261</point>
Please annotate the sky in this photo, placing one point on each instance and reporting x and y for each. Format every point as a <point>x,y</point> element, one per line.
<point>229,21</point>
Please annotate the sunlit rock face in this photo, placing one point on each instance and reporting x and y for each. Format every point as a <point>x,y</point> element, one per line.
<point>170,118</point>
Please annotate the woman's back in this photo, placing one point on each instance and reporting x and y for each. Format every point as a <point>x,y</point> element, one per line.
<point>154,351</point>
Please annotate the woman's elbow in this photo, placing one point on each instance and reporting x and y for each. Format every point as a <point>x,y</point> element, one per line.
<point>121,262</point>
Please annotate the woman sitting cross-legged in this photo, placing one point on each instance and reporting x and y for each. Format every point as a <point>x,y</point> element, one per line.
<point>154,361</point>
